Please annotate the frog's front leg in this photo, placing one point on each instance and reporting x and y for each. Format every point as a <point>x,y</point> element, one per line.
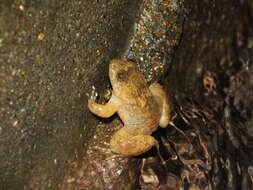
<point>102,110</point>
<point>126,144</point>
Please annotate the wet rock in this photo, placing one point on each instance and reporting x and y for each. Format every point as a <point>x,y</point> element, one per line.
<point>156,33</point>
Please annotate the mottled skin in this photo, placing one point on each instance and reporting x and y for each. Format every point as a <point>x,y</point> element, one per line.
<point>141,108</point>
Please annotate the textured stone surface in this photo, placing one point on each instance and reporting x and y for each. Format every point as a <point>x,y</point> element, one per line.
<point>51,53</point>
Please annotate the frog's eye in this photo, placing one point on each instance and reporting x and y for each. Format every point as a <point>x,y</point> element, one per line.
<point>121,76</point>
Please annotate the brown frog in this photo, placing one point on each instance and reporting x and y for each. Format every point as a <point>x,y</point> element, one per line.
<point>141,108</point>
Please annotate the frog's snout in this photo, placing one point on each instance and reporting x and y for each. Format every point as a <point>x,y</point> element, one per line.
<point>112,65</point>
<point>112,68</point>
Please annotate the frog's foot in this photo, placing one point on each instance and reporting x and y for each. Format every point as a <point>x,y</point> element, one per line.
<point>159,153</point>
<point>114,156</point>
<point>102,150</point>
<point>148,176</point>
<point>92,95</point>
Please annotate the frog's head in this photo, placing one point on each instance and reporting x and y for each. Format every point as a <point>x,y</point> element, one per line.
<point>120,72</point>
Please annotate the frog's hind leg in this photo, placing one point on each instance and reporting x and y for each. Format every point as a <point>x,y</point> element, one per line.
<point>126,144</point>
<point>164,103</point>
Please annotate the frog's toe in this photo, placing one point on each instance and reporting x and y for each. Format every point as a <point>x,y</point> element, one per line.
<point>93,94</point>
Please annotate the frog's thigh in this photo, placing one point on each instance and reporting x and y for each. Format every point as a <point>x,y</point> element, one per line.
<point>131,145</point>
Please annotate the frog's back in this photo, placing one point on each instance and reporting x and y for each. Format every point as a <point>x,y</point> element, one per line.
<point>140,116</point>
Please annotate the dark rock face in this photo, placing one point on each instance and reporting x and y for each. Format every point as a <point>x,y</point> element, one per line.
<point>212,70</point>
<point>50,54</point>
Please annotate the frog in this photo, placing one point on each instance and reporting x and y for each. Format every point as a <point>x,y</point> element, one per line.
<point>142,108</point>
